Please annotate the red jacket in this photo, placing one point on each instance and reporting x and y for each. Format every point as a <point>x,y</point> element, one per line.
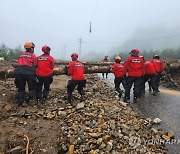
<point>27,58</point>
<point>76,70</point>
<point>118,69</point>
<point>45,65</point>
<point>149,67</point>
<point>134,66</point>
<point>27,62</point>
<point>158,65</point>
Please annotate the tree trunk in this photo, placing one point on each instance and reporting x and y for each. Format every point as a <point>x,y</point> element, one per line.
<point>90,67</point>
<point>59,70</point>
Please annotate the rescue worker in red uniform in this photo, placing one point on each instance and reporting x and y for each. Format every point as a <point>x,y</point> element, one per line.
<point>105,60</point>
<point>118,70</point>
<point>25,72</point>
<point>159,67</point>
<point>44,73</point>
<point>150,76</point>
<point>134,67</point>
<point>76,71</point>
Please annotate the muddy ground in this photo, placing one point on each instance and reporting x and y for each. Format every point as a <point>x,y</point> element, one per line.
<point>100,124</point>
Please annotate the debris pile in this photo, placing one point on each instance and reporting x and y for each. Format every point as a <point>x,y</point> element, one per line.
<point>100,124</point>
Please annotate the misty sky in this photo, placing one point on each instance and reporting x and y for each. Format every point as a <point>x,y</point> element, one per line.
<point>60,23</point>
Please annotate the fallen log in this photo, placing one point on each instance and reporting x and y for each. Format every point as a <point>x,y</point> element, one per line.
<point>58,70</point>
<point>57,62</point>
<point>90,67</point>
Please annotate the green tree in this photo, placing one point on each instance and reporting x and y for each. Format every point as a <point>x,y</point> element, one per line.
<point>8,53</point>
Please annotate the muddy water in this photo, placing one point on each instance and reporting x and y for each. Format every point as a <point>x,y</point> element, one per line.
<point>166,106</point>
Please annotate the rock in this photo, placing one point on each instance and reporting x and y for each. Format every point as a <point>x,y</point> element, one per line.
<point>109,145</point>
<point>142,151</point>
<point>99,141</point>
<point>157,120</point>
<point>81,132</point>
<point>149,120</point>
<point>105,138</point>
<point>61,113</point>
<point>149,125</point>
<point>155,131</point>
<point>114,134</point>
<point>8,108</point>
<point>137,128</point>
<point>93,152</point>
<point>166,138</point>
<point>61,108</point>
<point>74,127</point>
<point>71,149</point>
<point>100,119</point>
<point>171,134</point>
<point>79,106</point>
<point>22,113</point>
<point>125,132</point>
<point>120,135</point>
<point>112,126</point>
<point>50,115</point>
<point>151,145</point>
<point>79,141</point>
<point>87,148</point>
<point>69,107</point>
<point>91,124</point>
<point>43,150</point>
<point>114,152</point>
<point>123,103</point>
<point>72,140</point>
<point>95,135</point>
<point>99,130</point>
<point>40,113</point>
<point>102,146</point>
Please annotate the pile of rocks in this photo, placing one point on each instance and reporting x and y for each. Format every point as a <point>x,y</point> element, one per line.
<point>105,124</point>
<point>102,123</point>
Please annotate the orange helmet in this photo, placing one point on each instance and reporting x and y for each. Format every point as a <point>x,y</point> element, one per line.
<point>118,58</point>
<point>46,48</point>
<point>29,45</point>
<point>74,56</point>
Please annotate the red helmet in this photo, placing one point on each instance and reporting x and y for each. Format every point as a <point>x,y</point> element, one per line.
<point>135,51</point>
<point>74,56</point>
<point>46,48</point>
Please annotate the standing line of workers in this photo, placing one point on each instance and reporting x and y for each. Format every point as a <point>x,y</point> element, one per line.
<point>37,72</point>
<point>137,71</point>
